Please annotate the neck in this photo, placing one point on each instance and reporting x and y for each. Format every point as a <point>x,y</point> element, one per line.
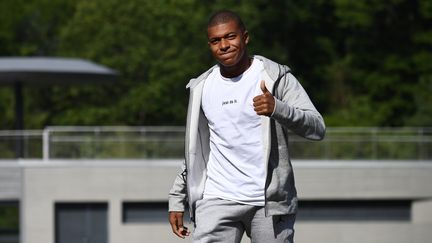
<point>236,70</point>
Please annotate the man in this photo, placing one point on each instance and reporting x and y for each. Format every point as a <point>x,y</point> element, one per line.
<point>237,175</point>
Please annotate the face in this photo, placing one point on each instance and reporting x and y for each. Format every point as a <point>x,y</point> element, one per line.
<point>227,43</point>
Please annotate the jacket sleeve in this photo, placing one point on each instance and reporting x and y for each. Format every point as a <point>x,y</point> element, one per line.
<point>295,111</point>
<point>177,199</point>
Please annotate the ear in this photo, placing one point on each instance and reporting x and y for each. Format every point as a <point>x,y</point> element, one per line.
<point>246,36</point>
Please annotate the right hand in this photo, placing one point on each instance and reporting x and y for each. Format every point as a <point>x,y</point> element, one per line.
<point>264,104</point>
<point>176,221</point>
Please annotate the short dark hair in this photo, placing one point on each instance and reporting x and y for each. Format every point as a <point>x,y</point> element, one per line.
<point>224,16</point>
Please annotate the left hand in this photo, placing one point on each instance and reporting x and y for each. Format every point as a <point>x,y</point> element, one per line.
<point>264,104</point>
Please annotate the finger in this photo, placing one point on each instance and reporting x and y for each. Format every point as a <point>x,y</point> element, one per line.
<point>179,231</point>
<point>263,109</point>
<point>185,231</point>
<point>262,113</point>
<point>263,96</point>
<point>262,99</point>
<point>263,87</point>
<point>258,103</point>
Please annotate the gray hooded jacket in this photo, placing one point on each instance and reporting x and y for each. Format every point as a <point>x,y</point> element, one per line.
<point>293,111</point>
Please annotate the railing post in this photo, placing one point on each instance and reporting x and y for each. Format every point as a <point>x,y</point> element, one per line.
<point>19,120</point>
<point>374,143</point>
<point>421,143</point>
<point>46,144</point>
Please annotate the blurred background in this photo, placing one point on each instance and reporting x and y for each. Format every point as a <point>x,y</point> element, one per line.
<point>92,162</point>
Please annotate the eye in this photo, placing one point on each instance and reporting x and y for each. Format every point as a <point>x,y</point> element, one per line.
<point>231,37</point>
<point>214,41</point>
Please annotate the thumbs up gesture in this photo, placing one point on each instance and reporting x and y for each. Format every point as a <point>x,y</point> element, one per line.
<point>264,104</point>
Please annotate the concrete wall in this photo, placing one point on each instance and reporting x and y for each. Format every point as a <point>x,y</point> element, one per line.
<point>369,180</point>
<point>114,182</point>
<point>109,182</point>
<point>10,181</point>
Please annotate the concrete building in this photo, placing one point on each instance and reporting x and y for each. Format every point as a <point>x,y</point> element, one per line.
<point>124,201</point>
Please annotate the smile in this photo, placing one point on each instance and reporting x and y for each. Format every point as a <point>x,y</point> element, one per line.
<point>227,53</point>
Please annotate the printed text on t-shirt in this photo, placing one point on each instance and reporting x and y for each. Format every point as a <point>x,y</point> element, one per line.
<point>229,102</point>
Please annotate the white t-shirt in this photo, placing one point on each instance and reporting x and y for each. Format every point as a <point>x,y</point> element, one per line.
<point>236,168</point>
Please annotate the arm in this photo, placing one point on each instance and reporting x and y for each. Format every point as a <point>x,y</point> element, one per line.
<point>177,202</point>
<point>292,108</point>
<point>295,111</point>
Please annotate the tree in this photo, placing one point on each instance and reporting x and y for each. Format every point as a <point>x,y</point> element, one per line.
<point>364,63</point>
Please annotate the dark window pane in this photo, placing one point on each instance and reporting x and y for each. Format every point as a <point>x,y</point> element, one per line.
<point>9,222</point>
<point>146,212</point>
<point>81,222</point>
<point>355,210</point>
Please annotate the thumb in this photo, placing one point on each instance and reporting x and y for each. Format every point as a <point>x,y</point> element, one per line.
<point>263,87</point>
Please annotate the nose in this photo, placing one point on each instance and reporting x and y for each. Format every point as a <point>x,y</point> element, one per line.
<point>224,45</point>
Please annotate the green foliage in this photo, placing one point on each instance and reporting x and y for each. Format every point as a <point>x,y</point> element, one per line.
<point>364,63</point>
<point>154,46</point>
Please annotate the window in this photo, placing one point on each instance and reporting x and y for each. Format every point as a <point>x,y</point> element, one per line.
<point>355,210</point>
<point>9,222</point>
<point>146,212</point>
<point>81,222</point>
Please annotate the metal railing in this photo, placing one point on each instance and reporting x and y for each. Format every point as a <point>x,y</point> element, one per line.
<point>20,143</point>
<point>113,142</point>
<point>374,143</point>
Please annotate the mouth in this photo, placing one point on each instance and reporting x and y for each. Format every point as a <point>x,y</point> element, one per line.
<point>227,54</point>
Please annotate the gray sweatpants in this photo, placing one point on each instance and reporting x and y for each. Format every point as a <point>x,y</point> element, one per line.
<point>218,220</point>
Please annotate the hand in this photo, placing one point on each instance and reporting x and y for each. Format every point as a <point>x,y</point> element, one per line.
<point>176,221</point>
<point>264,104</point>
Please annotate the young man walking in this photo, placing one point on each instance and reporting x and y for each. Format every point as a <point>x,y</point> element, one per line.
<point>237,175</point>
